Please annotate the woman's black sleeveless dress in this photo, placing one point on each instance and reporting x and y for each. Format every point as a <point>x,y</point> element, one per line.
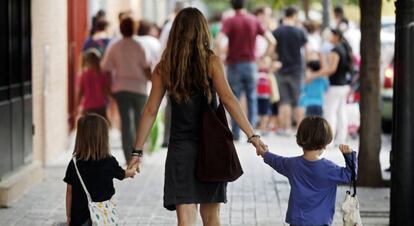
<point>181,185</point>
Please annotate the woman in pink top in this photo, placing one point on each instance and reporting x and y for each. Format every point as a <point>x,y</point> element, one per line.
<point>94,85</point>
<point>126,60</point>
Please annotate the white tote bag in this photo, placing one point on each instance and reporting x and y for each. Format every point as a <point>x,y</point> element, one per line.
<point>102,213</point>
<point>350,206</point>
<point>350,211</point>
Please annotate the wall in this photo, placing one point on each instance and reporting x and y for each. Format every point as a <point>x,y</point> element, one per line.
<point>49,60</point>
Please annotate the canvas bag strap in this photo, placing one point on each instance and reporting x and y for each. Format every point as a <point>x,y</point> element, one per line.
<point>80,178</point>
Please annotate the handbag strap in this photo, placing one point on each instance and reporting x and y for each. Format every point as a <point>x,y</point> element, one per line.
<point>353,175</point>
<point>80,179</point>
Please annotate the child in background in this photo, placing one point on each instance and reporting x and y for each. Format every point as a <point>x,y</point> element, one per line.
<point>312,96</point>
<point>267,92</point>
<point>96,166</point>
<point>94,85</point>
<point>313,179</point>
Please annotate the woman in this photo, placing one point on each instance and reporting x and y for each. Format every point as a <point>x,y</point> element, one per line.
<point>99,39</point>
<point>126,59</point>
<point>339,64</point>
<point>186,71</point>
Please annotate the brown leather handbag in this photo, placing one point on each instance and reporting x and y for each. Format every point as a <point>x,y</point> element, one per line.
<point>217,156</point>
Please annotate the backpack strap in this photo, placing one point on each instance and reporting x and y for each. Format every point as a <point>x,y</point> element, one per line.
<point>88,196</point>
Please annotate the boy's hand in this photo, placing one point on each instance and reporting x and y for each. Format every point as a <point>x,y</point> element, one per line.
<point>345,149</point>
<point>260,150</point>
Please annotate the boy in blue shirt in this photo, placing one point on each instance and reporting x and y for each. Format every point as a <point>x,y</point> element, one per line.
<point>312,96</point>
<point>313,179</point>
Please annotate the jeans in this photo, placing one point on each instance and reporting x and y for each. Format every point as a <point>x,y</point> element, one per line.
<point>314,110</point>
<point>130,107</point>
<point>243,77</point>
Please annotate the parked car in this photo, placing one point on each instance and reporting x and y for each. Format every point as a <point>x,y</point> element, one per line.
<point>386,97</point>
<point>387,71</point>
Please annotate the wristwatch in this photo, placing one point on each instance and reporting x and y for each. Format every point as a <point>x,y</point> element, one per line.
<point>138,153</point>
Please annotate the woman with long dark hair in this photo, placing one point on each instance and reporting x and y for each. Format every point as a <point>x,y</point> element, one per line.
<point>188,71</point>
<point>339,64</point>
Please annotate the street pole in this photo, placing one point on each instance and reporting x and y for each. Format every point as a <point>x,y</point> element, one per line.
<point>402,169</point>
<point>325,14</point>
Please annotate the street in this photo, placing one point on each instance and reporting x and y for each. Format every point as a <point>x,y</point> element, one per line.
<point>259,197</point>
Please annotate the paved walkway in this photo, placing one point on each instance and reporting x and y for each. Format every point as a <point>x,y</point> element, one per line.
<point>259,197</point>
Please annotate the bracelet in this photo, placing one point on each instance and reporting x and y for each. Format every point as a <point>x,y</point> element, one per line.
<point>249,140</point>
<point>138,153</point>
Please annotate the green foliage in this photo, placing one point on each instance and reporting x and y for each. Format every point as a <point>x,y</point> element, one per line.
<point>221,5</point>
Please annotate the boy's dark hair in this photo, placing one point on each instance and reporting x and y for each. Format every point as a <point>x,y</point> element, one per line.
<point>290,12</point>
<point>238,4</point>
<point>127,27</point>
<point>314,133</point>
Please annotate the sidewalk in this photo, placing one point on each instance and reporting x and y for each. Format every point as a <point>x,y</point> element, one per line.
<point>259,197</point>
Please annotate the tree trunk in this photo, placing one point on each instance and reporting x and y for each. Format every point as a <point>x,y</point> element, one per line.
<point>369,173</point>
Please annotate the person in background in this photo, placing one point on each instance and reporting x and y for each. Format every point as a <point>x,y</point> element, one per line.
<point>155,31</point>
<point>100,38</point>
<point>215,24</point>
<point>312,96</point>
<point>263,14</point>
<point>100,15</point>
<point>179,5</point>
<point>312,93</point>
<point>267,93</point>
<point>94,85</point>
<point>340,62</point>
<point>241,30</point>
<point>151,45</point>
<point>313,179</point>
<point>116,32</point>
<point>341,22</point>
<point>290,41</point>
<point>126,60</point>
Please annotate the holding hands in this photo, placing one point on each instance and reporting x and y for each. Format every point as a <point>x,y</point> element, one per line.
<point>133,167</point>
<point>261,148</point>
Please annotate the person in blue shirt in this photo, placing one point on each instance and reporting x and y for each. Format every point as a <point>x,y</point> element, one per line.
<point>313,179</point>
<point>312,96</point>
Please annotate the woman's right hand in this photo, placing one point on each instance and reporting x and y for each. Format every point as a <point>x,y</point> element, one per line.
<point>261,148</point>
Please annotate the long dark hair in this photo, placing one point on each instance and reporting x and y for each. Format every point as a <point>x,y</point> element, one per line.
<point>185,61</point>
<point>348,48</point>
<point>92,138</point>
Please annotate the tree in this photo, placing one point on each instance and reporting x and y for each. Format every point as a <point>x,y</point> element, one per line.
<point>370,131</point>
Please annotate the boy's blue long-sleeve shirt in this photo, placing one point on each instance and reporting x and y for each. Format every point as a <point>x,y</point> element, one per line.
<point>313,186</point>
